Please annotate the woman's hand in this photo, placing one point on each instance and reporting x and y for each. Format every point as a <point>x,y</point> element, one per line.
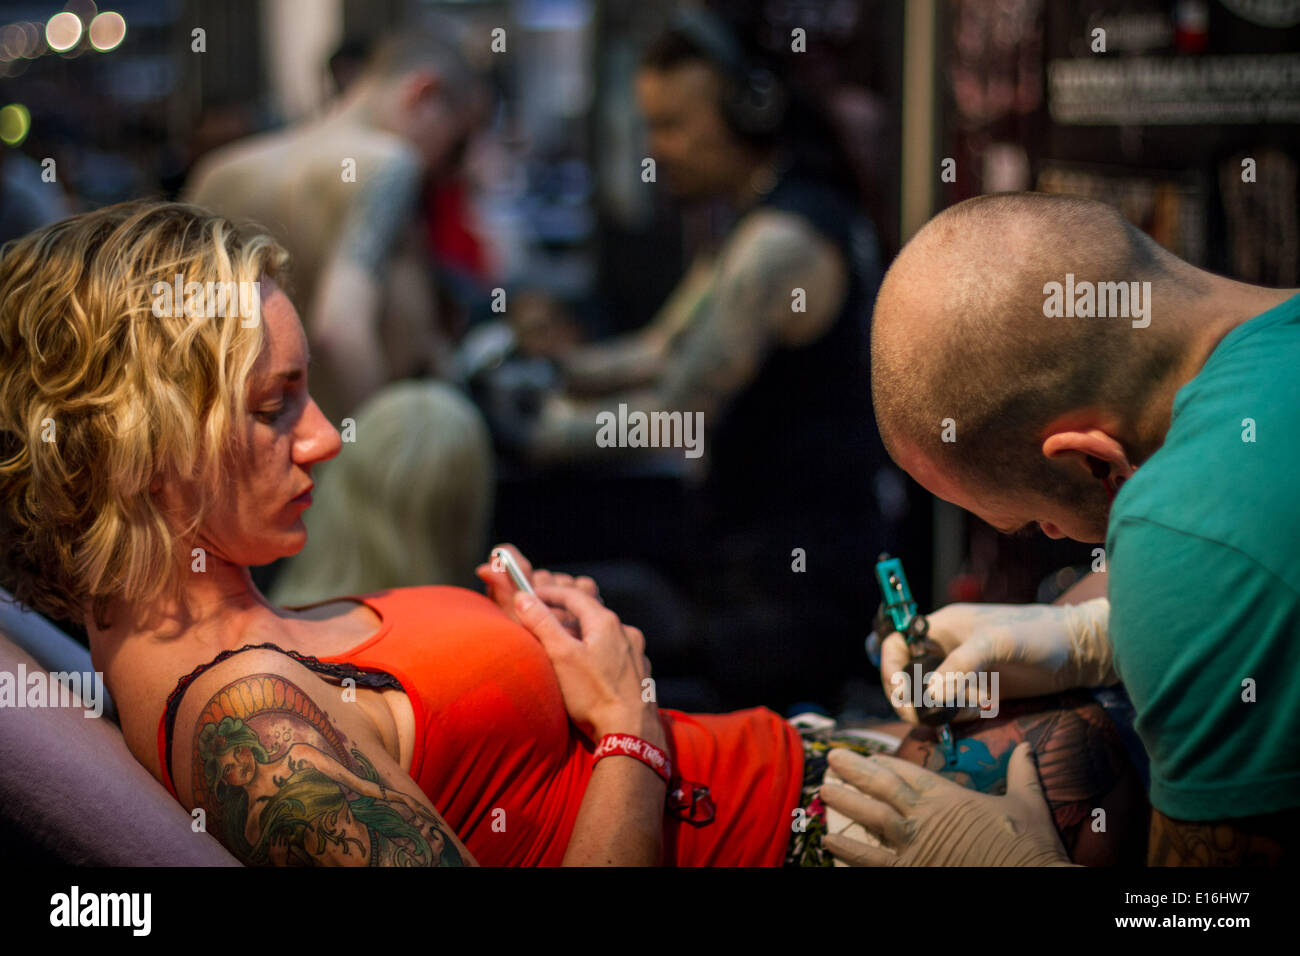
<point>501,588</point>
<point>603,670</point>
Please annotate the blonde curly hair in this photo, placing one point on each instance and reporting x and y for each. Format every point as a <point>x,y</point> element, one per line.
<point>102,391</point>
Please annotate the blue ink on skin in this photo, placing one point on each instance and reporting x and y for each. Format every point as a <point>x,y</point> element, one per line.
<point>976,761</point>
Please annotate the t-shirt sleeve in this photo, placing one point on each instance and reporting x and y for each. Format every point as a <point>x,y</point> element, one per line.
<point>1207,642</point>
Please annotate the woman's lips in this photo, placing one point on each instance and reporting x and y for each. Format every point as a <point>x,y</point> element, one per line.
<point>302,499</point>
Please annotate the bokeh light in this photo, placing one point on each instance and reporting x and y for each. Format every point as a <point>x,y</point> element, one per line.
<point>85,9</point>
<point>107,30</point>
<point>32,43</point>
<point>13,41</point>
<point>15,123</point>
<point>63,31</point>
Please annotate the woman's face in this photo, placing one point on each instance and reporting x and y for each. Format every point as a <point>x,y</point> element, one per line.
<point>257,514</point>
<point>238,767</point>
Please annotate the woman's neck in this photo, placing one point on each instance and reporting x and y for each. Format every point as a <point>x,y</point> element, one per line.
<point>221,604</point>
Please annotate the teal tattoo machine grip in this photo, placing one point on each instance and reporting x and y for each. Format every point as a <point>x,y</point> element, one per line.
<point>898,612</point>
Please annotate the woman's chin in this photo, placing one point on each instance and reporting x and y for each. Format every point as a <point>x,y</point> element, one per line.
<point>293,540</point>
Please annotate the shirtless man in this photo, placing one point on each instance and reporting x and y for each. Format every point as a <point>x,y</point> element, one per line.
<point>341,193</point>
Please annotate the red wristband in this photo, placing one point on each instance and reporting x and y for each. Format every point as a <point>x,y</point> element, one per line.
<point>630,746</point>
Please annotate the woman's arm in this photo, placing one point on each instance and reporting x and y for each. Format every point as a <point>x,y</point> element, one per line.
<point>604,676</point>
<point>621,819</point>
<point>241,730</point>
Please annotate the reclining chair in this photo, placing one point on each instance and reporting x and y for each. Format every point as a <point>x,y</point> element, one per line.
<point>70,791</point>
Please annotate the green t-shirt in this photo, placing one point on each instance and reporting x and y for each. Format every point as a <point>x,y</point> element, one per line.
<point>1204,555</point>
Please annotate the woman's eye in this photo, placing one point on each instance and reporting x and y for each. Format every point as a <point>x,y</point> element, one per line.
<point>269,415</point>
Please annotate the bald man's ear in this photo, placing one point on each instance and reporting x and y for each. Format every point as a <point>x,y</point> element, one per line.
<point>1098,453</point>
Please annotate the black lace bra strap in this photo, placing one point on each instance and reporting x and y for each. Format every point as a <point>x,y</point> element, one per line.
<point>340,671</point>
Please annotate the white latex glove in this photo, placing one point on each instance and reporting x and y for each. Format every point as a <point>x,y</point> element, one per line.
<point>1035,649</point>
<point>923,819</point>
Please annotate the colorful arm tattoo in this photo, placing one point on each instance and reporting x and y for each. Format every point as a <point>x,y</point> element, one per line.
<point>1096,796</point>
<point>283,786</point>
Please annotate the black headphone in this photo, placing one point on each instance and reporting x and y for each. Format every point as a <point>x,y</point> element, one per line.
<point>755,101</point>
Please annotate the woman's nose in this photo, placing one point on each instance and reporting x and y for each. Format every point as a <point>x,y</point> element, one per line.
<point>320,434</point>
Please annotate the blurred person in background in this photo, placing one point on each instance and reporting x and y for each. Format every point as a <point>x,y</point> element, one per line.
<point>343,194</point>
<point>767,337</point>
<point>26,201</point>
<point>408,505</point>
<point>462,253</point>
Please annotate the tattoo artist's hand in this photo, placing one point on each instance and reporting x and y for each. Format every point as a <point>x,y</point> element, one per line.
<point>1035,649</point>
<point>501,588</point>
<point>923,819</point>
<point>601,670</point>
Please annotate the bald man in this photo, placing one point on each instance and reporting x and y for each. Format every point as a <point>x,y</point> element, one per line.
<point>341,193</point>
<point>1014,376</point>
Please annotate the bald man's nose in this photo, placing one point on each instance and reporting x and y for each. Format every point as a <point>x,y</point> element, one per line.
<point>1051,530</point>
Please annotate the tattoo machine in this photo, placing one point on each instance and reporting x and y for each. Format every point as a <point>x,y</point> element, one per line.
<point>898,612</point>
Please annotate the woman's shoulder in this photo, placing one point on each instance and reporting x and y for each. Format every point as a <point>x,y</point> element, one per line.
<point>238,686</point>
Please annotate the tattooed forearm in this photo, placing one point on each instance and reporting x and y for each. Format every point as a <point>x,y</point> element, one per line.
<point>731,331</point>
<point>281,785</point>
<point>1249,841</point>
<point>627,362</point>
<point>750,306</point>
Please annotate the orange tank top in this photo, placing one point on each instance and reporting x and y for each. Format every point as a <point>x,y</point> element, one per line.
<point>492,734</point>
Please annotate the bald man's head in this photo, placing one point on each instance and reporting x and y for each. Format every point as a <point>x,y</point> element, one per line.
<point>960,333</point>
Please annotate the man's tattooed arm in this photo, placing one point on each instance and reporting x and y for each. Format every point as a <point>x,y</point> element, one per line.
<point>382,212</point>
<point>344,325</point>
<point>638,359</point>
<point>1249,841</point>
<point>287,773</point>
<point>752,309</point>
